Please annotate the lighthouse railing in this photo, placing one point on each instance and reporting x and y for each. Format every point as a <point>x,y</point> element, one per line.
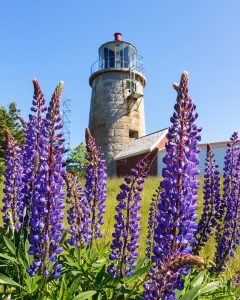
<point>134,62</point>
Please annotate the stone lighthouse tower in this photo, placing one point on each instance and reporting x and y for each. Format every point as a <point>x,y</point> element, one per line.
<point>117,110</point>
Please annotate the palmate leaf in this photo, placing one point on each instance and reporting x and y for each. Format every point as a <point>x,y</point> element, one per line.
<point>32,283</point>
<point>85,295</point>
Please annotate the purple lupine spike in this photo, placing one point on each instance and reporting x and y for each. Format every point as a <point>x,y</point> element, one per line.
<point>12,200</point>
<point>78,213</point>
<point>34,137</point>
<point>95,186</point>
<point>152,221</point>
<point>163,277</point>
<point>227,235</point>
<point>211,192</point>
<point>177,210</point>
<point>125,238</point>
<point>47,204</point>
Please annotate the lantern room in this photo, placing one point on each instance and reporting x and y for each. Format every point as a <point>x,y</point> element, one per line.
<point>118,54</point>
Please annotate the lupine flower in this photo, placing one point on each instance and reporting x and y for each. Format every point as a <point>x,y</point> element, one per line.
<point>78,213</point>
<point>95,187</point>
<point>12,200</point>
<point>127,227</point>
<point>211,192</point>
<point>177,209</point>
<point>152,221</point>
<point>164,277</point>
<point>227,235</point>
<point>47,203</point>
<point>34,137</point>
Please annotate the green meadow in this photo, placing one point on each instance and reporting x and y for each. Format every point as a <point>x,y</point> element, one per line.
<point>150,185</point>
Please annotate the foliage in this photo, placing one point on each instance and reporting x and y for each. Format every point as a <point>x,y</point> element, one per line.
<point>76,161</point>
<point>9,120</point>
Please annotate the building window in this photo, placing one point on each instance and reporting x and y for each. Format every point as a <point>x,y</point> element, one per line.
<point>133,134</point>
<point>131,85</point>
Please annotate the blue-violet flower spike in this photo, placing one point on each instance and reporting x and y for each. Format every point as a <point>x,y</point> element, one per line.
<point>13,205</point>
<point>47,204</point>
<point>127,227</point>
<point>152,221</point>
<point>78,212</point>
<point>211,192</point>
<point>227,234</point>
<point>34,137</point>
<point>177,209</point>
<point>95,186</point>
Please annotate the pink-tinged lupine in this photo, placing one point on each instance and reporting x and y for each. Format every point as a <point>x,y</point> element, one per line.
<point>13,204</point>
<point>47,204</point>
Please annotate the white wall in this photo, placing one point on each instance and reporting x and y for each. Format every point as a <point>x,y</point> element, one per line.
<point>218,150</point>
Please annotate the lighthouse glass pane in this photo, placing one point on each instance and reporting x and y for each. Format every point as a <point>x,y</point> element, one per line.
<point>124,58</point>
<point>109,58</point>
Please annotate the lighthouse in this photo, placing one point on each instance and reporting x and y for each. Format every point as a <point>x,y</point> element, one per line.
<point>116,115</point>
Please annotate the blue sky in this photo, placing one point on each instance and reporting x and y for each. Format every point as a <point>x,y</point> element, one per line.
<point>59,40</point>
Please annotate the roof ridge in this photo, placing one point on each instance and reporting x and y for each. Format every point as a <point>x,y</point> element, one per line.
<point>151,133</point>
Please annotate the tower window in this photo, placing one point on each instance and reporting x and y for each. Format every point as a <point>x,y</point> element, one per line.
<point>133,134</point>
<point>109,58</point>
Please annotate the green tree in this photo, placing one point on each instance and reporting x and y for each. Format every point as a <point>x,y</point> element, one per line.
<point>17,129</point>
<point>9,120</point>
<point>76,161</point>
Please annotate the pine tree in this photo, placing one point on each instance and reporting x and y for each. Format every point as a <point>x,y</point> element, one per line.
<point>9,120</point>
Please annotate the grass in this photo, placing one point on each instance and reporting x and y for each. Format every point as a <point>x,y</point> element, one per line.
<point>150,185</point>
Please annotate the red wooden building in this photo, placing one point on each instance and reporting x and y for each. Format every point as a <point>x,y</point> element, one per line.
<point>138,148</point>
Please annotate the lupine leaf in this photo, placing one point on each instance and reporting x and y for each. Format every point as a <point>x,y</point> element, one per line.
<point>8,281</point>
<point>73,288</point>
<point>138,273</point>
<point>10,258</point>
<point>61,295</point>
<point>100,275</point>
<point>85,295</point>
<point>27,256</point>
<point>211,286</point>
<point>36,281</point>
<point>99,263</point>
<point>23,259</point>
<point>191,294</point>
<point>198,279</point>
<point>10,245</point>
